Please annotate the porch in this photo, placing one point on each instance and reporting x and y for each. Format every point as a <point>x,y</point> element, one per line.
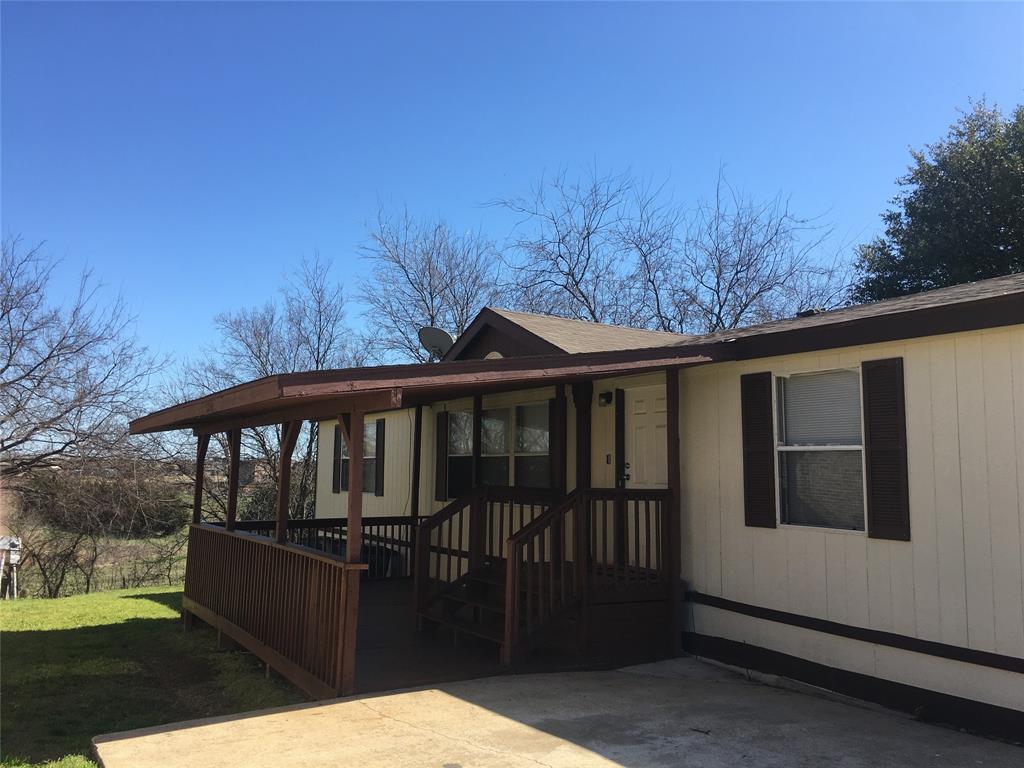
<point>502,578</point>
<point>582,572</point>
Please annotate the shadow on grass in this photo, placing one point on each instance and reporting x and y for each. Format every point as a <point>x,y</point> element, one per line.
<point>170,600</point>
<point>63,687</point>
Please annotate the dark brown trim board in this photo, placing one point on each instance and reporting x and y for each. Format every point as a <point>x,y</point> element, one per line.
<point>993,312</point>
<point>620,438</point>
<point>582,398</point>
<point>417,458</point>
<point>889,639</point>
<point>927,705</point>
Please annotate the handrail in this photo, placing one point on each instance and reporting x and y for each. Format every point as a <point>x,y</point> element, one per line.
<point>614,550</point>
<point>265,541</point>
<point>293,607</point>
<point>470,532</point>
<point>540,521</point>
<point>559,561</point>
<point>389,539</point>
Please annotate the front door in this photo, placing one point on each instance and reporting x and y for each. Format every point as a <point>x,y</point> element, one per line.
<point>646,438</point>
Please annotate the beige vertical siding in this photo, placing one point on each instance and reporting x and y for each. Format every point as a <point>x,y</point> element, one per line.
<point>398,430</point>
<point>959,580</point>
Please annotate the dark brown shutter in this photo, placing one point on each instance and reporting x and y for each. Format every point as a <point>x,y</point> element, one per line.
<point>885,449</point>
<point>758,450</point>
<point>441,457</point>
<point>336,469</point>
<point>378,487</point>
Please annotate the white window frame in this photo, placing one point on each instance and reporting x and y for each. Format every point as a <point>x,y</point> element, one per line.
<point>781,448</point>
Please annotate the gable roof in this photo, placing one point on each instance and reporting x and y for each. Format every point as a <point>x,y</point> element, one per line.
<point>549,334</point>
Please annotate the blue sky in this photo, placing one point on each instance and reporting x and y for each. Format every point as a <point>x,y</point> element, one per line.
<point>192,153</point>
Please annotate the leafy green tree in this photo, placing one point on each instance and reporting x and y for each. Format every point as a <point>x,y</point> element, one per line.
<point>959,215</point>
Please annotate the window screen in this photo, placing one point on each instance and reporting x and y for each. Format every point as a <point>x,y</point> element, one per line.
<point>821,475</point>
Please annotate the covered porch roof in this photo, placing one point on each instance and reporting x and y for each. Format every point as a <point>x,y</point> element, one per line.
<point>322,395</point>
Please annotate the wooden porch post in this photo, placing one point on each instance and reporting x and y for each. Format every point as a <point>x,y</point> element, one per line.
<point>620,477</point>
<point>352,432</point>
<point>289,435</point>
<point>352,426</point>
<point>582,397</point>
<point>197,501</point>
<point>234,448</point>
<point>675,485</point>
<point>417,457</point>
<point>478,411</point>
<point>557,441</point>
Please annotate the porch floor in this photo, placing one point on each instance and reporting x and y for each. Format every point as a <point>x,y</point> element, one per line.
<point>391,653</point>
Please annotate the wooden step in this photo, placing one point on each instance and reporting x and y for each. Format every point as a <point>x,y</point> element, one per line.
<point>493,632</point>
<point>492,575</point>
<point>464,595</point>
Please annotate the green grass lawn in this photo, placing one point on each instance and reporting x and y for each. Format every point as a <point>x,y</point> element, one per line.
<point>76,667</point>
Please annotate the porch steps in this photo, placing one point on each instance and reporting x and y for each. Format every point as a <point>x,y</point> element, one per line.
<point>466,595</point>
<point>487,630</point>
<point>476,605</point>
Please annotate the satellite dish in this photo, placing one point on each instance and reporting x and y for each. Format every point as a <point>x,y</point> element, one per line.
<point>436,341</point>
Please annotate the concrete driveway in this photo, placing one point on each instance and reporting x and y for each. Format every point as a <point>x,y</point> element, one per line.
<point>675,713</point>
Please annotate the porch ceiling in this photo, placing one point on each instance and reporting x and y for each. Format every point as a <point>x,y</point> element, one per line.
<point>326,394</point>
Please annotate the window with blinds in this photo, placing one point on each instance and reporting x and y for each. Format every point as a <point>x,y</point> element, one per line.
<point>821,450</point>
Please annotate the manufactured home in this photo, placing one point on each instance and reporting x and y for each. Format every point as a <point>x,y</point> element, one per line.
<point>835,497</point>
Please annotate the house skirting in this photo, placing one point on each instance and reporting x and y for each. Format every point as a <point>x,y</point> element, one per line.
<point>984,694</point>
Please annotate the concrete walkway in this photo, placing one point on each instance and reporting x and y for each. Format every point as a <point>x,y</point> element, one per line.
<point>676,713</point>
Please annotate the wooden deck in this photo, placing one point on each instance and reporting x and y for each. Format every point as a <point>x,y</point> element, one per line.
<point>391,654</point>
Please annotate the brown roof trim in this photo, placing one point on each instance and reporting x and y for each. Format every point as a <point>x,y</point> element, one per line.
<point>990,312</point>
<point>322,394</point>
<point>488,317</point>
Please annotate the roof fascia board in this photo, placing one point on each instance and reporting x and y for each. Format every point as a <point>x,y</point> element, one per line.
<point>991,312</point>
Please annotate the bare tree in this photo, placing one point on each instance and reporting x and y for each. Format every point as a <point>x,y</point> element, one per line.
<point>742,262</point>
<point>114,521</point>
<point>612,249</point>
<point>424,273</point>
<point>568,257</point>
<point>69,374</point>
<point>303,329</point>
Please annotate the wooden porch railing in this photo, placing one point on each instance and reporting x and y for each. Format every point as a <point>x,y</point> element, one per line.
<point>388,541</point>
<point>598,545</point>
<point>627,540</point>
<point>544,575</point>
<point>292,607</point>
<point>472,532</point>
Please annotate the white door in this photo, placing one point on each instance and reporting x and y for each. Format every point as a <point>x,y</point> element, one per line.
<point>646,438</point>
